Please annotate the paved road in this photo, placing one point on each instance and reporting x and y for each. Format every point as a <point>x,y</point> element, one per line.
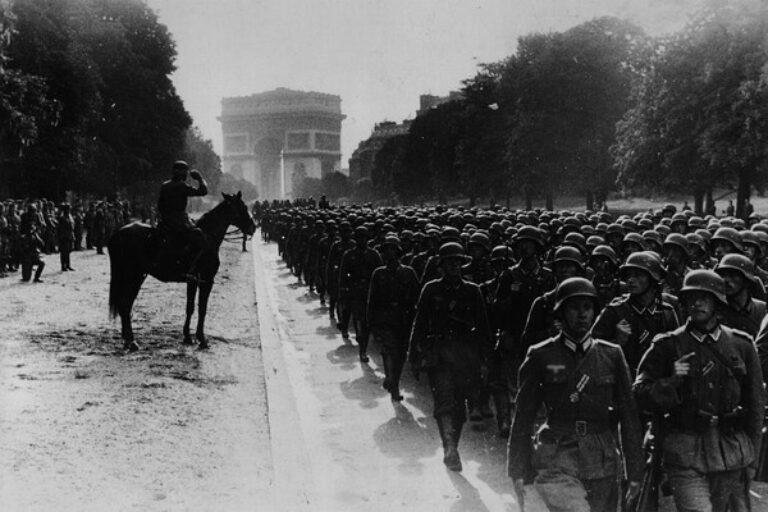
<point>354,449</point>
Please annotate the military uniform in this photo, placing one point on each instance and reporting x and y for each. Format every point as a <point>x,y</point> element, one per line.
<point>645,322</point>
<point>391,305</point>
<point>586,389</point>
<point>355,271</point>
<point>715,414</point>
<point>450,340</point>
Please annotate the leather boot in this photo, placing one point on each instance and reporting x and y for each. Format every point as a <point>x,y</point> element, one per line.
<point>448,435</point>
<point>501,402</point>
<point>398,361</point>
<point>387,361</point>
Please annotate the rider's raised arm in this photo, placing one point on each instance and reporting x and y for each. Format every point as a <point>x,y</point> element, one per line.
<point>202,186</point>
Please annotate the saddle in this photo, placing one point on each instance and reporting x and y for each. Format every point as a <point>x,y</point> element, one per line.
<point>170,254</point>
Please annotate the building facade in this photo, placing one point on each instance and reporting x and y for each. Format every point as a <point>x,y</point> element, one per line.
<point>363,158</point>
<point>277,138</point>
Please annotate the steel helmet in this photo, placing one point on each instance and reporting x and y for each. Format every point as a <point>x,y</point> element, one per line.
<point>704,281</point>
<point>739,263</point>
<point>680,218</point>
<point>452,250</point>
<point>634,238</point>
<point>568,253</point>
<point>361,231</point>
<point>530,233</point>
<point>595,240</point>
<point>653,236</point>
<point>450,234</point>
<point>677,240</point>
<point>576,240</point>
<point>750,237</point>
<point>391,241</point>
<point>501,253</point>
<point>647,261</point>
<point>574,287</point>
<point>728,235</point>
<point>605,251</point>
<point>697,240</point>
<point>480,239</point>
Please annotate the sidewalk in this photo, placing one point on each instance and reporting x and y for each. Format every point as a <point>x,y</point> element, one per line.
<point>355,450</point>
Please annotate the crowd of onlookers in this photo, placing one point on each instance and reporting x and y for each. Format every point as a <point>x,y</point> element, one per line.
<point>31,228</point>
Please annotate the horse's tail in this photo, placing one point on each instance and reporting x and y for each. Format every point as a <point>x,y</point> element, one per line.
<point>119,272</point>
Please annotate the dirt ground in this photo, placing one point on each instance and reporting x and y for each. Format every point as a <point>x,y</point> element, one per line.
<point>86,426</point>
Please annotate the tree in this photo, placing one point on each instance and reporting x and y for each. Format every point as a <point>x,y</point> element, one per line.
<point>336,185</point>
<point>562,94</point>
<point>697,116</point>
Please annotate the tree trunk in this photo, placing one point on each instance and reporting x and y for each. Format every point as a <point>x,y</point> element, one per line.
<point>698,201</point>
<point>550,202</point>
<point>590,201</point>
<point>709,203</point>
<point>743,193</point>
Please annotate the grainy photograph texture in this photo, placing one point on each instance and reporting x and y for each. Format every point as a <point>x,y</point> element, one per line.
<point>383,255</point>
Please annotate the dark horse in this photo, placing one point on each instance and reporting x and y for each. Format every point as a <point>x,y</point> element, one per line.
<point>137,250</point>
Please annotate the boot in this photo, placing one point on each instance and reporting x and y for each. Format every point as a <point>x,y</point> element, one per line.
<point>387,383</point>
<point>393,378</point>
<point>448,435</point>
<point>501,402</point>
<point>397,371</point>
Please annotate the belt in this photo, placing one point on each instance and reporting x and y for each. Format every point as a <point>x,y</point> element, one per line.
<point>579,427</point>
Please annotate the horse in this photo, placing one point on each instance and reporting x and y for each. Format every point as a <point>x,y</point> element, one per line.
<point>137,250</point>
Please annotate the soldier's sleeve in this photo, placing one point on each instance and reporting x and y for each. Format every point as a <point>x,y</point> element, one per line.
<point>605,325</point>
<point>753,397</point>
<point>536,328</point>
<point>419,328</point>
<point>761,344</point>
<point>656,387</point>
<point>482,325</point>
<point>529,398</point>
<point>631,429</point>
<point>370,303</point>
<point>344,274</point>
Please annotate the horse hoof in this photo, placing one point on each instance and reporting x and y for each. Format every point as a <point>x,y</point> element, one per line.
<point>187,341</point>
<point>203,345</point>
<point>131,346</point>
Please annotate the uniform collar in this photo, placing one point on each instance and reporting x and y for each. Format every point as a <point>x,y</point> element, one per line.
<point>650,308</point>
<point>703,337</point>
<point>574,345</point>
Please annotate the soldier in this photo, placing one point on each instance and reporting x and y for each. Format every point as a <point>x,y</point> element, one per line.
<point>355,271</point>
<point>172,207</point>
<point>31,245</point>
<point>451,341</point>
<point>705,378</point>
<point>605,265</point>
<point>632,320</point>
<point>584,384</point>
<point>337,250</point>
<point>323,249</point>
<point>65,234</point>
<point>677,256</point>
<point>312,258</point>
<point>742,312</point>
<point>391,306</point>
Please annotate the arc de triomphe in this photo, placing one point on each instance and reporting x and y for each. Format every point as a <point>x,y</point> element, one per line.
<point>274,139</point>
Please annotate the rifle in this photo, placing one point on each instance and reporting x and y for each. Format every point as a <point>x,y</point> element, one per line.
<point>647,499</point>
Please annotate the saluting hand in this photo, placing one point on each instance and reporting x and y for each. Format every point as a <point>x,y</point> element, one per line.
<point>195,174</point>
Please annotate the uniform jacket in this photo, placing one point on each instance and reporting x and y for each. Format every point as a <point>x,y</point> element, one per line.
<point>355,272</point>
<point>747,319</point>
<point>515,294</point>
<point>392,297</point>
<point>646,323</point>
<point>172,203</point>
<point>715,415</point>
<point>592,387</point>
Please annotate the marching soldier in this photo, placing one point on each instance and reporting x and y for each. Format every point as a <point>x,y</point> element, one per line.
<point>391,307</point>
<point>451,341</point>
<point>742,311</point>
<point>337,250</point>
<point>605,265</point>
<point>706,378</point>
<point>677,255</point>
<point>65,237</point>
<point>632,320</point>
<point>584,384</point>
<point>355,271</point>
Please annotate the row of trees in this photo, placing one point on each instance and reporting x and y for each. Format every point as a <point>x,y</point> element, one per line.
<point>597,107</point>
<point>87,103</point>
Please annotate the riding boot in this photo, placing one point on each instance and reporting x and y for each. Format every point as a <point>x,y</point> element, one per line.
<point>448,436</point>
<point>501,402</point>
<point>39,272</point>
<point>192,274</point>
<point>393,377</point>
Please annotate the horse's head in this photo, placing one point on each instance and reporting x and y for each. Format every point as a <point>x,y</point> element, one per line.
<point>238,213</point>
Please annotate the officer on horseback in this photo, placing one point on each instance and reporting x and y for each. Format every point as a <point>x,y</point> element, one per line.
<point>172,208</point>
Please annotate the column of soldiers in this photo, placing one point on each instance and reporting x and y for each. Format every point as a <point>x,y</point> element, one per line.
<point>30,229</point>
<point>626,347</point>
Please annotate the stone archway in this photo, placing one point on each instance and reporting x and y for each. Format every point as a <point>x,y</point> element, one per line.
<point>268,153</point>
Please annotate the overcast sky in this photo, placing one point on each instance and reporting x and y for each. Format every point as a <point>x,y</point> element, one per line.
<point>378,55</point>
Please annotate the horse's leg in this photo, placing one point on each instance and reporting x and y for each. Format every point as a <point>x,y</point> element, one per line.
<point>202,308</point>
<point>124,310</point>
<point>191,292</point>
